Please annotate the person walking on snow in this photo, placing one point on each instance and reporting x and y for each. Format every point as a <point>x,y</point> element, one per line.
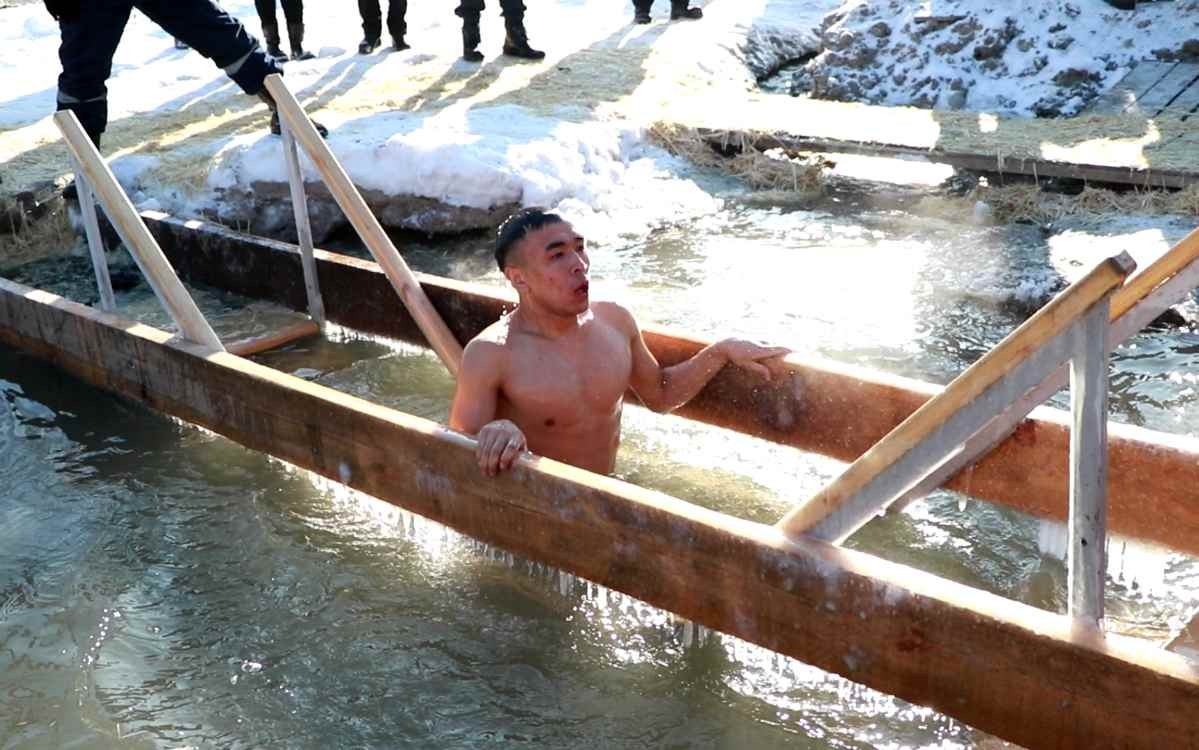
<point>293,11</point>
<point>516,41</point>
<point>678,10</point>
<point>91,31</point>
<point>372,25</point>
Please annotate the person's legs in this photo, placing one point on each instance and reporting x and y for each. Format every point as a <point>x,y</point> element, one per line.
<point>293,11</point>
<point>88,45</point>
<point>396,25</point>
<point>641,10</point>
<point>468,11</point>
<point>516,43</point>
<point>679,10</point>
<point>372,25</point>
<point>270,27</point>
<point>216,35</point>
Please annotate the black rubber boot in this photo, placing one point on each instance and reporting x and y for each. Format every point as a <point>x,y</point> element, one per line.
<point>679,10</point>
<point>270,34</point>
<point>295,35</point>
<point>641,16</point>
<point>516,44</point>
<point>471,39</point>
<point>367,46</point>
<point>398,44</point>
<point>276,129</point>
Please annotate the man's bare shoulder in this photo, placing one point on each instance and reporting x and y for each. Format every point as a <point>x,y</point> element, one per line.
<point>490,346</point>
<point>615,315</point>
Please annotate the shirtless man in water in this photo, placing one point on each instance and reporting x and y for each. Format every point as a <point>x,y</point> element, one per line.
<point>550,377</point>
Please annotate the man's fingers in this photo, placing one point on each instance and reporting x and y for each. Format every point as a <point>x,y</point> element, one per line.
<point>759,368</point>
<point>509,455</point>
<point>770,352</point>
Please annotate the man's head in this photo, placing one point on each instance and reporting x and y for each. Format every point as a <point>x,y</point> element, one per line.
<point>545,260</point>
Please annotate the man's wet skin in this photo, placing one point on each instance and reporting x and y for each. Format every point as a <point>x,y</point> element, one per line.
<point>551,376</point>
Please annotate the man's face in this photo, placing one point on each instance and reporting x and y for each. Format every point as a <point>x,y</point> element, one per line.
<point>549,266</point>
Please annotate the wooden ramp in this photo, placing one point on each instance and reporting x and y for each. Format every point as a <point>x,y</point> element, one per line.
<point>1150,89</point>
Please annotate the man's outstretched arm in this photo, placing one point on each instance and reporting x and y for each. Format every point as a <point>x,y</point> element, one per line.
<point>665,389</point>
<point>473,410</point>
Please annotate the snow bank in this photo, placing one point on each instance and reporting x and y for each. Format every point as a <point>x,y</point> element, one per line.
<point>602,174</point>
<point>1026,57</point>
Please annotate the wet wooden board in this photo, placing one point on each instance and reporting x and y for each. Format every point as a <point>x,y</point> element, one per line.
<point>827,408</point>
<point>1149,88</point>
<point>1181,78</point>
<point>1009,669</point>
<point>1125,94</point>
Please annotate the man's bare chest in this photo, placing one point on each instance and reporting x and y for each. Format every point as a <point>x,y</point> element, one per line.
<point>570,380</point>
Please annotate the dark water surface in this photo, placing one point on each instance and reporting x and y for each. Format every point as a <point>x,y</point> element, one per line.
<point>164,587</point>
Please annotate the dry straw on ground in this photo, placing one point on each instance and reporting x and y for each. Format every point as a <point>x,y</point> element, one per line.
<point>761,170</point>
<point>50,235</point>
<point>1030,203</point>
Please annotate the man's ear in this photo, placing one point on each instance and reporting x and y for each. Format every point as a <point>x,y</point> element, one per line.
<point>516,277</point>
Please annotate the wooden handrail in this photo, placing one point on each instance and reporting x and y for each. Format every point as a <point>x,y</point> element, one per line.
<point>1048,322</point>
<point>368,227</point>
<point>154,265</point>
<point>1156,273</point>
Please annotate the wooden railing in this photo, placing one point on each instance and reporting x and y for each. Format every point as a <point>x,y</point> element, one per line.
<point>91,170</point>
<point>296,124</point>
<point>1073,328</point>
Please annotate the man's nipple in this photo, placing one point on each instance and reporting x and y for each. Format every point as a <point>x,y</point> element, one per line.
<point>549,422</point>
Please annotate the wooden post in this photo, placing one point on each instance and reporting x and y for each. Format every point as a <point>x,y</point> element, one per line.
<point>368,227</point>
<point>95,241</point>
<point>1087,552</point>
<point>166,285</point>
<point>930,434</point>
<point>299,202</point>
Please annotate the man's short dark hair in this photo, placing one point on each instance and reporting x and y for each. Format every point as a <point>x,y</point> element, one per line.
<point>516,226</point>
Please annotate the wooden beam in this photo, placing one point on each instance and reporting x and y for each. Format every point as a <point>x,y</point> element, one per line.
<point>1164,268</point>
<point>847,504</point>
<point>824,407</point>
<point>153,264</point>
<point>1006,668</point>
<point>95,241</point>
<point>299,203</point>
<point>1087,552</point>
<point>995,163</point>
<point>274,340</point>
<point>1144,297</point>
<point>347,196</point>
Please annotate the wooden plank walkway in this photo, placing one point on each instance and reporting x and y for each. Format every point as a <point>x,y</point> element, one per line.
<point>1150,89</point>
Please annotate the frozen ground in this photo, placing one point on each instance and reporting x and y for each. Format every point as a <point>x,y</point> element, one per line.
<point>436,143</point>
<point>418,124</point>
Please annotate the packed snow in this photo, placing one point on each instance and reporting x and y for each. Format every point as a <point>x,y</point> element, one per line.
<point>1028,57</point>
<point>566,133</point>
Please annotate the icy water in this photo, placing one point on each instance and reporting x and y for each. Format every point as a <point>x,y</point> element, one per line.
<point>164,587</point>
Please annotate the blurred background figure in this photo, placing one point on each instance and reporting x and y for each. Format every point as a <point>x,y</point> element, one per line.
<point>516,41</point>
<point>678,10</point>
<point>293,11</point>
<point>372,25</point>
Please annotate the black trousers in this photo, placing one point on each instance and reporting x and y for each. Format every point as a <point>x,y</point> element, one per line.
<point>372,18</point>
<point>88,45</point>
<point>293,11</point>
<point>643,6</point>
<point>513,10</point>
